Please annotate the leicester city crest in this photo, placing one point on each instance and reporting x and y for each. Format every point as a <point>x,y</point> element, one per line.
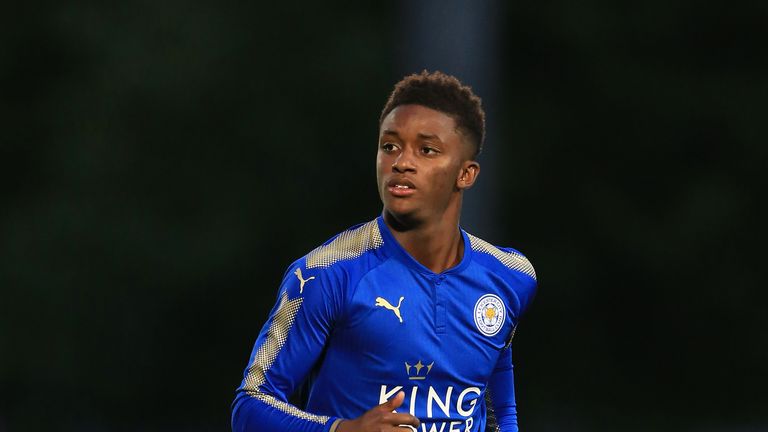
<point>489,314</point>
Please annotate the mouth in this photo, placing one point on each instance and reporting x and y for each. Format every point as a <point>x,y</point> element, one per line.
<point>400,187</point>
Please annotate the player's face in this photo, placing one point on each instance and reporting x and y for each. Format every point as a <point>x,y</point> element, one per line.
<point>422,163</point>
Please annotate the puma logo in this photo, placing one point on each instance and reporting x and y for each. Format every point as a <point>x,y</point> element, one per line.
<point>380,301</point>
<point>302,280</point>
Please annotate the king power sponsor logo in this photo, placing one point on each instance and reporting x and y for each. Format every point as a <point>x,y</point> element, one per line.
<point>451,404</point>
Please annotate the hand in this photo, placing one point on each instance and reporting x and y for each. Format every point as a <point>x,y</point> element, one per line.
<point>381,418</point>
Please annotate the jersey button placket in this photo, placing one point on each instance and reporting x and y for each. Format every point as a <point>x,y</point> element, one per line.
<point>440,314</point>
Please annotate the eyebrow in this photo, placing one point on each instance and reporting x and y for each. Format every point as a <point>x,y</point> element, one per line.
<point>390,132</point>
<point>429,137</point>
<point>421,135</point>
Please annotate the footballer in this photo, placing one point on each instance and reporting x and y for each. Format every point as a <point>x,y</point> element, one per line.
<point>404,322</point>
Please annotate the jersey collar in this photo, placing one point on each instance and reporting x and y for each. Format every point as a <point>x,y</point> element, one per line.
<point>394,249</point>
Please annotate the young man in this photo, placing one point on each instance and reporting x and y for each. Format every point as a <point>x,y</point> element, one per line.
<point>406,313</point>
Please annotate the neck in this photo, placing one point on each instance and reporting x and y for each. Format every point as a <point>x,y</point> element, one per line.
<point>437,244</point>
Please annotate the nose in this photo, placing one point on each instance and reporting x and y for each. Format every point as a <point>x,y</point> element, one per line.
<point>403,163</point>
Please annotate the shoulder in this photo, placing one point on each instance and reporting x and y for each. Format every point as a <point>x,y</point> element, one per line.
<point>502,256</point>
<point>347,247</point>
<point>512,266</point>
<point>324,276</point>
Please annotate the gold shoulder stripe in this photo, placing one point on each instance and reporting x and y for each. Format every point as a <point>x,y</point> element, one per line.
<point>349,244</point>
<point>290,409</point>
<point>266,355</point>
<point>512,260</point>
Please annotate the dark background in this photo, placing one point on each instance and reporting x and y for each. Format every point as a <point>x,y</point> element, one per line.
<point>161,163</point>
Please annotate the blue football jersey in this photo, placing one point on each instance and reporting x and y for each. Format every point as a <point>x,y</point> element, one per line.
<point>360,320</point>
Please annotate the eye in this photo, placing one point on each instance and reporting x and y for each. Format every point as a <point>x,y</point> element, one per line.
<point>388,147</point>
<point>429,150</point>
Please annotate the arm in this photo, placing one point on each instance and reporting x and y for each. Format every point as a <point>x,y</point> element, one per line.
<point>286,349</point>
<point>501,386</point>
<point>501,391</point>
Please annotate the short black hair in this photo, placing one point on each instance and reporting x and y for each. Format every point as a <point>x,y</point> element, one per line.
<point>444,93</point>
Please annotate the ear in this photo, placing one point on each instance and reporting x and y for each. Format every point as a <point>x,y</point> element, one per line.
<point>470,169</point>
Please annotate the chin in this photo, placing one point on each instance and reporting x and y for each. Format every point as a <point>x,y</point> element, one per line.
<point>399,207</point>
<point>404,214</point>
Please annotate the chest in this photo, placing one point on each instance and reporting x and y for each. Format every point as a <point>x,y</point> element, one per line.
<point>425,327</point>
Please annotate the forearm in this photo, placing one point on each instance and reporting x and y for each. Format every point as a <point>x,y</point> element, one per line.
<point>501,389</point>
<point>288,346</point>
<point>264,413</point>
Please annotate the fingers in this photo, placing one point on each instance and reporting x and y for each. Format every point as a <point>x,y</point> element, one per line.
<point>403,420</point>
<point>398,418</point>
<point>395,402</point>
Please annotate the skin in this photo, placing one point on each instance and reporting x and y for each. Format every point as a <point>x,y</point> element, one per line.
<point>381,418</point>
<point>423,148</point>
